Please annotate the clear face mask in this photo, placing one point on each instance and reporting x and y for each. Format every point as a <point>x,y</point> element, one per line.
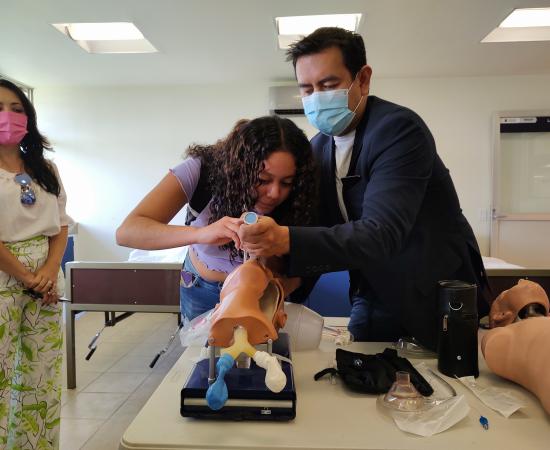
<point>424,416</point>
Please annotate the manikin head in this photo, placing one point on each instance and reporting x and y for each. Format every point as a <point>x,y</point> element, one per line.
<point>331,59</point>
<point>250,298</point>
<point>507,306</point>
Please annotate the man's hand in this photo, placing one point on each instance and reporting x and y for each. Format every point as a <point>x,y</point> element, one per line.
<point>264,238</point>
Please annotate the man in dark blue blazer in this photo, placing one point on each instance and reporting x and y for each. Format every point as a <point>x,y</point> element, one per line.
<point>389,212</point>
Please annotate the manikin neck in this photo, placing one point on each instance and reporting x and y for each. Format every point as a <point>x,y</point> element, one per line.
<point>532,310</point>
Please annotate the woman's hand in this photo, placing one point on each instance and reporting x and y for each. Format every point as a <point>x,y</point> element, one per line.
<point>51,297</point>
<point>46,278</point>
<point>29,280</point>
<point>220,232</point>
<point>43,282</point>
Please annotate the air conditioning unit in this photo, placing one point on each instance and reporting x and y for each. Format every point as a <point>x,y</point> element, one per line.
<point>285,100</point>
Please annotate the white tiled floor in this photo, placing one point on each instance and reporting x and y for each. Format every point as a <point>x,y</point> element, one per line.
<point>117,381</point>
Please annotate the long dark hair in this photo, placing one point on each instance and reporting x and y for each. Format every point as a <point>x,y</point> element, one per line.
<point>33,145</point>
<point>234,164</point>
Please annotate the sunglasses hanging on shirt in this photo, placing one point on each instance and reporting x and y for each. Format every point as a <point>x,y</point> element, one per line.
<point>28,197</point>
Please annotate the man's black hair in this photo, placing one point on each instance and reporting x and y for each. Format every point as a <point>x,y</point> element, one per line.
<point>350,44</point>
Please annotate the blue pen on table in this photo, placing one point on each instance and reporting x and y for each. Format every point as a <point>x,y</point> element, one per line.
<point>484,422</point>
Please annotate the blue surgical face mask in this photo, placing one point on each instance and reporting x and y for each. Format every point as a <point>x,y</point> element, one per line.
<point>328,110</point>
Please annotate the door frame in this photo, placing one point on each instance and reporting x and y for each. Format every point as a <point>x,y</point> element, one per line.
<point>496,214</point>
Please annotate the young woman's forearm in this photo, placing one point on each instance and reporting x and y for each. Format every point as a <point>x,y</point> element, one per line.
<point>149,234</point>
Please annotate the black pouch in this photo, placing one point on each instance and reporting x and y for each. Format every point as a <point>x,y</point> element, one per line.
<point>374,374</point>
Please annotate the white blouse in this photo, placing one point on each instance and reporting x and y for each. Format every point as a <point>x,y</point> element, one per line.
<point>18,221</point>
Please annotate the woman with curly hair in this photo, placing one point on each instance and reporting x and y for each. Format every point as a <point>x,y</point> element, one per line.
<point>33,236</point>
<point>264,165</point>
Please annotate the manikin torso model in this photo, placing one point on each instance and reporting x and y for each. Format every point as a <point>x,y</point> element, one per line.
<point>250,298</point>
<point>249,313</point>
<point>519,351</point>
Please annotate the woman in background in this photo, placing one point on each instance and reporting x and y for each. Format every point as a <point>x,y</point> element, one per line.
<point>264,165</point>
<point>33,236</point>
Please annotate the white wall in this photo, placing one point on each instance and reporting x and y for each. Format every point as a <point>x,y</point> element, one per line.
<point>459,111</point>
<point>114,144</point>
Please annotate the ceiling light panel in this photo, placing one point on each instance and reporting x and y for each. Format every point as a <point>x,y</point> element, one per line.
<point>522,25</point>
<point>527,17</point>
<point>109,37</point>
<point>293,28</point>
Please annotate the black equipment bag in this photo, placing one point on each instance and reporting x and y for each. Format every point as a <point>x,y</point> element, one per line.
<point>374,374</point>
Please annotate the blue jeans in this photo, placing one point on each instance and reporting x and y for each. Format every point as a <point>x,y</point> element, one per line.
<point>370,323</point>
<point>196,294</point>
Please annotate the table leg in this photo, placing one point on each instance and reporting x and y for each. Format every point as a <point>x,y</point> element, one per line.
<point>69,316</point>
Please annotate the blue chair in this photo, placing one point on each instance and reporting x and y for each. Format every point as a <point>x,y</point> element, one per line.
<point>330,296</point>
<point>69,253</point>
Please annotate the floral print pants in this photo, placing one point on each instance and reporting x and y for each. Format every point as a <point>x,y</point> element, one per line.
<point>30,358</point>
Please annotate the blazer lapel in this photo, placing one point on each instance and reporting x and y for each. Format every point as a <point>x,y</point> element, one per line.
<point>358,142</point>
<point>330,209</point>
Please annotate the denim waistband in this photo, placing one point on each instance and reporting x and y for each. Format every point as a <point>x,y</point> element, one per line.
<point>189,267</point>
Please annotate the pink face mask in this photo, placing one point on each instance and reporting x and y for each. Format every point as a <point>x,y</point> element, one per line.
<point>13,127</point>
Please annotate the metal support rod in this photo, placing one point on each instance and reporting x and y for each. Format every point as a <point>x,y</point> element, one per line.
<point>211,364</point>
<point>111,319</point>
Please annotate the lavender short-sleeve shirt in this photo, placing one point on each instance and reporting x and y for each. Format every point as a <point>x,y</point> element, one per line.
<point>188,174</point>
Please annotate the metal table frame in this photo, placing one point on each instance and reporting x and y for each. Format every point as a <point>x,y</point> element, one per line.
<point>126,303</point>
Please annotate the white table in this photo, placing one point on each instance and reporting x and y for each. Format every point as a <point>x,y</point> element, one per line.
<point>331,417</point>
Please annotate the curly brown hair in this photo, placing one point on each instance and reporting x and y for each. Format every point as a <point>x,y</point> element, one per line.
<point>234,163</point>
